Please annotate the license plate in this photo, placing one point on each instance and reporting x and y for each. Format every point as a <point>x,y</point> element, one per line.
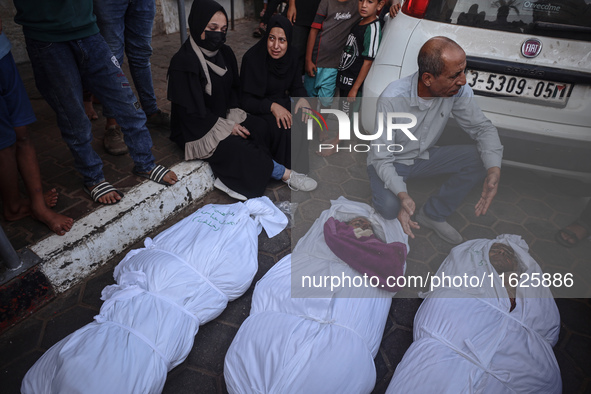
<point>512,86</point>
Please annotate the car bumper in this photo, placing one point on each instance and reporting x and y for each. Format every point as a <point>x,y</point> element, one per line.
<point>541,153</point>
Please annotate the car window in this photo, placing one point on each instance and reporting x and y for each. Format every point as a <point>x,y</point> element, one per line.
<point>553,18</point>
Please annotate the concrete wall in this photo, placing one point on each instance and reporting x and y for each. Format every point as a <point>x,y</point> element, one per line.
<point>166,21</point>
<point>170,14</point>
<point>13,31</point>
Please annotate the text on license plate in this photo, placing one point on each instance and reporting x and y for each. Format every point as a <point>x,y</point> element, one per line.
<point>513,86</point>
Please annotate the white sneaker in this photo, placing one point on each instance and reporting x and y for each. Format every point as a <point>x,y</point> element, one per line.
<point>300,182</point>
<point>218,184</point>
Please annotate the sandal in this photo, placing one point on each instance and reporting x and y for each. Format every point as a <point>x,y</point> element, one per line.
<point>258,32</point>
<point>101,190</point>
<point>571,235</point>
<point>157,175</point>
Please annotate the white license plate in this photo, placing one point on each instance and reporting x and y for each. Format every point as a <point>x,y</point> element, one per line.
<point>512,86</point>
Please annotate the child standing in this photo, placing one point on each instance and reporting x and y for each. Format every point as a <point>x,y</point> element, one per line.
<point>334,19</point>
<point>17,152</point>
<point>359,52</point>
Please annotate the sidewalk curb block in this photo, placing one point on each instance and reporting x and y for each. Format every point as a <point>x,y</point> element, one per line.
<point>108,230</point>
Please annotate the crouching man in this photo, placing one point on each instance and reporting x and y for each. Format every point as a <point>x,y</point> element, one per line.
<point>432,94</point>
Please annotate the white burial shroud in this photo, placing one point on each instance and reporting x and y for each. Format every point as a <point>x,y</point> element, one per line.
<point>312,345</point>
<point>467,341</point>
<point>183,278</point>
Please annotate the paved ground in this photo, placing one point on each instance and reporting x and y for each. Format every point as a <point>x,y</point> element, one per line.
<point>527,205</point>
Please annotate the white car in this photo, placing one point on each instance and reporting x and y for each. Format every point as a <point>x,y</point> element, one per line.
<point>529,64</point>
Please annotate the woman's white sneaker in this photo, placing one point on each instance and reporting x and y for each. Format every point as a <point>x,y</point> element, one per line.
<point>300,182</point>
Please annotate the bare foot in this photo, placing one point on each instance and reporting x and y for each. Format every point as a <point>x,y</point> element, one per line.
<point>90,112</point>
<point>56,222</point>
<point>24,209</point>
<point>573,234</point>
<point>17,213</point>
<point>50,198</point>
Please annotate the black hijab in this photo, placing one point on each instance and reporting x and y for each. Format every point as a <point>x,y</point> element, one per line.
<point>257,62</point>
<point>186,78</point>
<point>201,13</point>
<point>279,67</point>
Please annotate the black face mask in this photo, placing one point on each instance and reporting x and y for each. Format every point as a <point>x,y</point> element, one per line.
<point>213,40</point>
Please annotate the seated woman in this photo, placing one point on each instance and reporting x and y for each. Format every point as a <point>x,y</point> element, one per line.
<point>270,77</point>
<point>203,87</point>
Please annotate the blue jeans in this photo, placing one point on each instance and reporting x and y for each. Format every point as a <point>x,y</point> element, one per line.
<point>127,24</point>
<point>462,161</point>
<point>61,71</point>
<point>278,171</point>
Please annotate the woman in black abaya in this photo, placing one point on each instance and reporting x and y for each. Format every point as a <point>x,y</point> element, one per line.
<point>270,78</point>
<point>203,86</point>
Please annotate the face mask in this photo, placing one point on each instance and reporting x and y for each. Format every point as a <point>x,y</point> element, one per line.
<point>213,40</point>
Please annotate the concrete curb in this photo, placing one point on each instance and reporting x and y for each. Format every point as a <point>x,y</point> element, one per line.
<point>108,230</point>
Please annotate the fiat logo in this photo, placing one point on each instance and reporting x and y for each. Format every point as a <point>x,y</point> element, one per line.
<point>531,47</point>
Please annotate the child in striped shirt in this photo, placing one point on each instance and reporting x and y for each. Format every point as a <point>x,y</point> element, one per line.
<point>359,52</point>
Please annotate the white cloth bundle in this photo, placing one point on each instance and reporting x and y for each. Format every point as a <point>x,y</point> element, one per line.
<point>311,345</point>
<point>182,279</point>
<point>467,341</point>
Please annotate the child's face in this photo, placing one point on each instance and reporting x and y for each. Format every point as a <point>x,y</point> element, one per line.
<point>369,7</point>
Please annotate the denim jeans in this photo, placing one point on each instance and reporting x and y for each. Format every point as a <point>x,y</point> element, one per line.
<point>127,24</point>
<point>278,171</point>
<point>62,70</point>
<point>462,161</point>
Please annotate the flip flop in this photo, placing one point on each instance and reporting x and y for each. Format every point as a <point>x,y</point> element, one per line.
<point>258,32</point>
<point>101,190</point>
<point>571,235</point>
<point>157,175</point>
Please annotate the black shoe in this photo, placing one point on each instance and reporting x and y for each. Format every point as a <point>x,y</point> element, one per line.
<point>158,119</point>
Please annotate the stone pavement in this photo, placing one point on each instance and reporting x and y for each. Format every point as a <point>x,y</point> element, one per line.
<point>526,204</point>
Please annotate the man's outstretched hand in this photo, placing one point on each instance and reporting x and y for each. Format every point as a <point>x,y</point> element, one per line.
<point>407,209</point>
<point>489,190</point>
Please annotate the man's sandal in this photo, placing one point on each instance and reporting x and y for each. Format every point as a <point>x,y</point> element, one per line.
<point>571,235</point>
<point>157,175</point>
<point>101,190</point>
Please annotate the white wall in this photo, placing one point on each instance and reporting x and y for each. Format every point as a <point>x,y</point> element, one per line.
<point>171,16</point>
<point>13,31</point>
